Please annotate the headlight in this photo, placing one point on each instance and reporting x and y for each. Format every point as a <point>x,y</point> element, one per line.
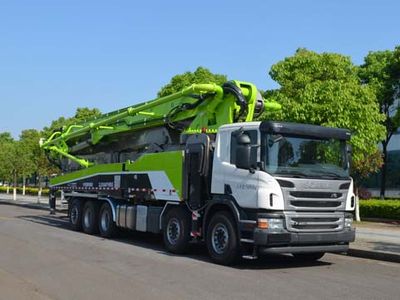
<point>348,221</point>
<point>272,224</point>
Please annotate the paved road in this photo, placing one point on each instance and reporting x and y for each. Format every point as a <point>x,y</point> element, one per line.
<point>40,258</point>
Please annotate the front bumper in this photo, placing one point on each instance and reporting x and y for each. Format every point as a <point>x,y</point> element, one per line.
<point>289,242</point>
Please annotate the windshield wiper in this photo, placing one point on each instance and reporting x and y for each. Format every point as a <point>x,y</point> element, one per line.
<point>332,175</point>
<point>292,174</point>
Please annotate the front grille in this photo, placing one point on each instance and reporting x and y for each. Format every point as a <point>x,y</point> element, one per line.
<point>306,194</point>
<point>314,200</point>
<point>310,204</point>
<point>303,222</point>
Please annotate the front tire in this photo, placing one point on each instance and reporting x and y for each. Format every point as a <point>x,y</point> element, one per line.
<point>222,239</point>
<point>75,214</point>
<point>176,231</point>
<point>309,256</point>
<point>107,226</point>
<point>90,217</point>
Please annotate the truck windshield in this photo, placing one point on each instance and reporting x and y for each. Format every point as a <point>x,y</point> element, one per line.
<point>296,156</point>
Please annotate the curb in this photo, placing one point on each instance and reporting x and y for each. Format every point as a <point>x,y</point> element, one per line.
<point>38,206</point>
<point>377,255</point>
<point>381,220</point>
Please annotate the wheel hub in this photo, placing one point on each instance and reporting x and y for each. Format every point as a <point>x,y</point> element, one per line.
<point>173,231</point>
<point>105,220</point>
<point>74,215</point>
<point>88,218</point>
<point>220,238</point>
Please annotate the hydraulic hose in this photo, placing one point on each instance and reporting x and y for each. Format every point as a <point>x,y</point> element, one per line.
<point>232,88</point>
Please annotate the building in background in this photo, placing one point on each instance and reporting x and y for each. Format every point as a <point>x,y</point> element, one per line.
<point>373,183</point>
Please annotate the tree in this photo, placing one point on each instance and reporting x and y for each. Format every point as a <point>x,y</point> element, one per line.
<point>23,164</point>
<point>24,157</point>
<point>5,137</point>
<point>26,161</point>
<point>14,162</point>
<point>40,165</point>
<point>201,75</point>
<point>381,72</point>
<point>324,89</point>
<point>83,114</point>
<point>6,150</point>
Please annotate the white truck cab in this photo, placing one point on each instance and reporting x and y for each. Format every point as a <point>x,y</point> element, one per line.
<point>291,180</point>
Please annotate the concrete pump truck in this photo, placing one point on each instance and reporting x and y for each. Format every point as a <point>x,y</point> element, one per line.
<point>195,167</point>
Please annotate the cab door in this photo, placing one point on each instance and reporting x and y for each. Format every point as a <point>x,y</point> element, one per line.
<point>242,182</point>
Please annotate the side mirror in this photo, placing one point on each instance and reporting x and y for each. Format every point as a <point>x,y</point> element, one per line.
<point>243,153</point>
<point>243,139</point>
<point>243,156</point>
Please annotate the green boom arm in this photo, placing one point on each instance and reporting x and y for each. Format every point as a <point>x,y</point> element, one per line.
<point>208,106</point>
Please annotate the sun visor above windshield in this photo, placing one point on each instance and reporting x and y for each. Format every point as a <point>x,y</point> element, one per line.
<point>307,130</point>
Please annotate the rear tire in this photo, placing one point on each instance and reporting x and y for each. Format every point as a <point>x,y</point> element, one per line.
<point>90,217</point>
<point>222,239</point>
<point>107,227</point>
<point>308,256</point>
<point>176,230</point>
<point>75,214</point>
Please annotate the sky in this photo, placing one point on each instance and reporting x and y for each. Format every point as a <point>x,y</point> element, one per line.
<point>57,55</point>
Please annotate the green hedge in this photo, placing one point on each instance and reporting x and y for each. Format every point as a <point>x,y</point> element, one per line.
<point>28,190</point>
<point>386,209</point>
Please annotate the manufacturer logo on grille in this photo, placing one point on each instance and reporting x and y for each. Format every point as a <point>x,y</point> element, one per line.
<point>296,223</point>
<point>315,185</point>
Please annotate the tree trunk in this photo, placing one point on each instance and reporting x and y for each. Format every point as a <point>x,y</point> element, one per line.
<point>23,185</point>
<point>383,170</point>
<point>357,210</point>
<point>39,190</point>
<point>15,187</point>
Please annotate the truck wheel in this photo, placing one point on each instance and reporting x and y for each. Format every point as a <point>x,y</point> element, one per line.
<point>107,226</point>
<point>309,256</point>
<point>89,217</point>
<point>176,231</point>
<point>222,240</point>
<point>75,215</point>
